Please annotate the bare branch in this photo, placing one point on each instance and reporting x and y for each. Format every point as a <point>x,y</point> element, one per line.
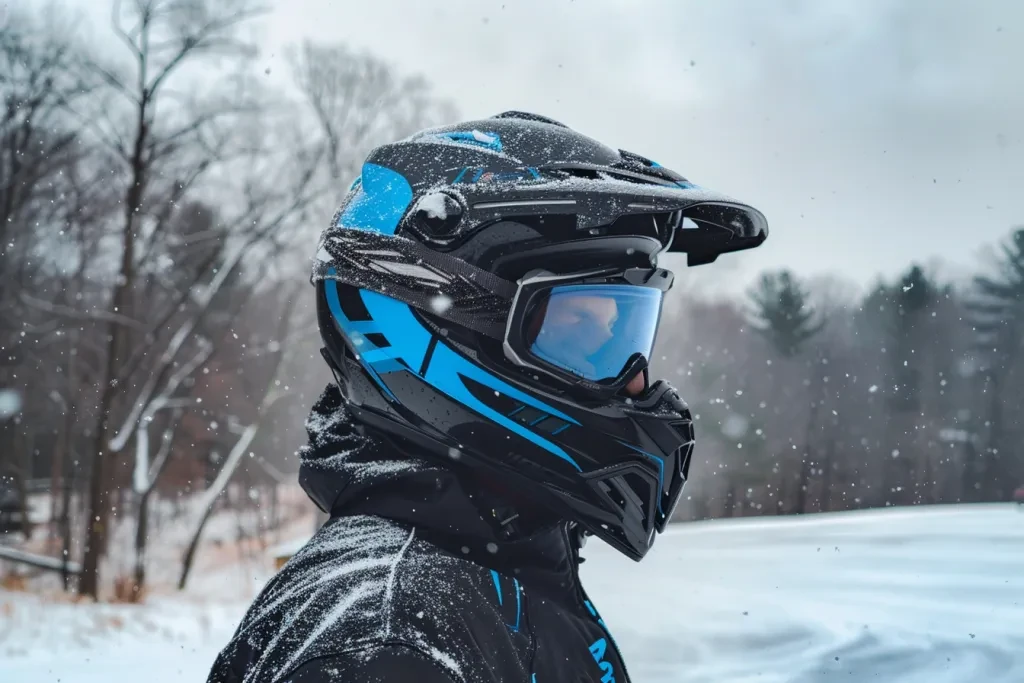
<point>205,39</point>
<point>227,470</point>
<point>113,81</point>
<point>163,454</point>
<point>115,23</point>
<point>176,343</point>
<point>109,138</point>
<point>68,312</point>
<point>144,478</point>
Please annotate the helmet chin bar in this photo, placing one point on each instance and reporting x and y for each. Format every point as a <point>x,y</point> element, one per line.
<point>627,503</point>
<point>654,395</point>
<point>624,502</point>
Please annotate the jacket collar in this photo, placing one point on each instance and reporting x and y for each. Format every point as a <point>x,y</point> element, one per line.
<point>347,470</point>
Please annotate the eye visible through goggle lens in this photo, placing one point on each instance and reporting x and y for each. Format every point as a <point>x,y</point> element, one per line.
<point>594,330</point>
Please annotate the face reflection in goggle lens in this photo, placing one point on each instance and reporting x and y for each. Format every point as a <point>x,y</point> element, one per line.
<point>593,330</point>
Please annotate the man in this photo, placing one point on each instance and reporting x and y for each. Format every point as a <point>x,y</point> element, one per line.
<point>488,296</point>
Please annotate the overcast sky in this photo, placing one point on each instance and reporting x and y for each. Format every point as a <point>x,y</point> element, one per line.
<point>869,132</point>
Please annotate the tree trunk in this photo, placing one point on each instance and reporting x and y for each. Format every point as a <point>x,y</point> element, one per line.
<point>66,481</point>
<point>989,480</point>
<point>803,483</point>
<point>61,468</point>
<point>738,499</point>
<point>827,502</point>
<point>193,545</point>
<point>920,493</point>
<point>972,466</point>
<point>56,465</point>
<point>782,492</point>
<point>141,536</point>
<point>275,521</point>
<point>701,511</point>
<point>817,398</point>
<point>211,496</point>
<point>98,504</point>
<point>24,472</point>
<point>65,522</point>
<point>102,472</point>
<point>100,479</point>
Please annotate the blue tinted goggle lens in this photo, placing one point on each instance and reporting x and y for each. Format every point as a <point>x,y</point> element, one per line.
<point>594,330</point>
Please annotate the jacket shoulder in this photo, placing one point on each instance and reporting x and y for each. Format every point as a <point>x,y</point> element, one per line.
<point>387,664</point>
<point>466,614</point>
<point>365,585</point>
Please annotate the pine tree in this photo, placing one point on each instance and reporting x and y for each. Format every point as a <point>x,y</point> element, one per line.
<point>913,298</point>
<point>998,318</point>
<point>783,314</point>
<point>909,344</point>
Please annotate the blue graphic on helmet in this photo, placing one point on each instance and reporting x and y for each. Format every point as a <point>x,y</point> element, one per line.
<point>356,333</point>
<point>380,201</point>
<point>684,184</point>
<point>409,339</point>
<point>379,204</point>
<point>594,330</point>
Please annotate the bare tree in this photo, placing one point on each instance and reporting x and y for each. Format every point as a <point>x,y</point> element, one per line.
<point>134,305</point>
<point>162,37</point>
<point>355,102</point>
<point>358,101</point>
<point>148,468</point>
<point>52,203</point>
<point>270,395</point>
<point>278,189</point>
<point>38,80</point>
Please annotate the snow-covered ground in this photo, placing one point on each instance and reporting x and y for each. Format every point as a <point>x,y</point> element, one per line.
<point>897,596</point>
<point>890,596</point>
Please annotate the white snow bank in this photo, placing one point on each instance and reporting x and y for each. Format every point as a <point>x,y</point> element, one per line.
<point>927,595</point>
<point>160,642</point>
<point>930,595</point>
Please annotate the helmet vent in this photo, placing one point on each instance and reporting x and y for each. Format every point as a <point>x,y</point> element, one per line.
<point>526,116</point>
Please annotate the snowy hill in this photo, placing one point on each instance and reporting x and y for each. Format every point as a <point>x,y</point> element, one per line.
<point>901,596</point>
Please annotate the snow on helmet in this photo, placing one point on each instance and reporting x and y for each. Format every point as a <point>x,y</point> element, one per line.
<point>488,289</point>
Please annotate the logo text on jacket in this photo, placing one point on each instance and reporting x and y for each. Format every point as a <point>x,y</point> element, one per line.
<point>597,649</point>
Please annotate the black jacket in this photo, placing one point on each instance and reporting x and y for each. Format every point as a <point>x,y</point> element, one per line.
<point>420,577</point>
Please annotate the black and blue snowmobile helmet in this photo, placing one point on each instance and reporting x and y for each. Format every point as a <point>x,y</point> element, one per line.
<point>487,290</point>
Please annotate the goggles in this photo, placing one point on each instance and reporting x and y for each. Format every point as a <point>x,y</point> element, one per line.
<point>594,330</point>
